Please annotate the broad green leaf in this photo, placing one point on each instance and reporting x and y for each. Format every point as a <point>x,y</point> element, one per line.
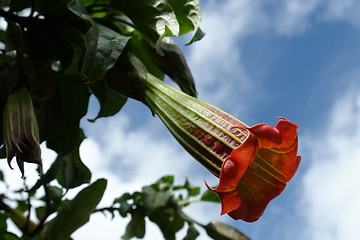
<point>188,14</point>
<point>110,101</point>
<point>75,213</point>
<point>210,196</point>
<point>128,77</point>
<point>221,231</point>
<point>74,97</point>
<point>103,45</point>
<point>136,226</point>
<point>103,48</point>
<point>153,18</point>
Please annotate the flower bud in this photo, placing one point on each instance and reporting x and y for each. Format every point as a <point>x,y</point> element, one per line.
<point>253,163</point>
<point>21,133</point>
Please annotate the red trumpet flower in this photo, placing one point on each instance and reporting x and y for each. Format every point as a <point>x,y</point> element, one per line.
<point>257,171</point>
<point>253,163</point>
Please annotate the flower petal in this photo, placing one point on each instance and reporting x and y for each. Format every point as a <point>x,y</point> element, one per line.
<point>236,164</point>
<point>258,170</point>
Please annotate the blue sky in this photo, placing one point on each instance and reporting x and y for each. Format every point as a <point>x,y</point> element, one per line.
<point>299,59</point>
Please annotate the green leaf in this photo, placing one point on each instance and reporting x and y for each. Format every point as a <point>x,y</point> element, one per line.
<point>40,211</point>
<point>154,199</point>
<point>210,196</point>
<point>3,224</point>
<point>110,101</point>
<point>198,35</point>
<point>74,99</point>
<point>128,77</point>
<point>192,190</point>
<point>73,172</point>
<point>140,47</point>
<point>173,63</point>
<point>13,36</point>
<point>103,45</point>
<point>221,231</point>
<point>75,213</point>
<point>103,48</point>
<point>155,19</point>
<point>168,220</point>
<point>136,226</point>
<point>125,207</point>
<point>192,233</point>
<point>188,14</point>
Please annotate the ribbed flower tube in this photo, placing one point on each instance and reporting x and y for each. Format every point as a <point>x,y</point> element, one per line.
<point>205,131</point>
<point>253,164</point>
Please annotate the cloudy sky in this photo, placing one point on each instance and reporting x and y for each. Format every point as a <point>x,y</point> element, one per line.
<point>260,59</point>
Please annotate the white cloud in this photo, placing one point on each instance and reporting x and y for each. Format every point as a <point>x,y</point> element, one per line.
<point>332,183</point>
<point>292,16</point>
<point>345,10</point>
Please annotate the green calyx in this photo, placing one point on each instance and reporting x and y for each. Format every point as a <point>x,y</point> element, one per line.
<point>205,131</point>
<point>21,133</point>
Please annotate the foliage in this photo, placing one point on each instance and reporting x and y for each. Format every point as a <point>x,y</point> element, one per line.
<point>64,51</point>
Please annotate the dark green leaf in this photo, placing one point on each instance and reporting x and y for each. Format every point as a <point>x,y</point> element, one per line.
<point>168,220</point>
<point>75,213</point>
<point>140,48</point>
<point>18,5</point>
<point>103,48</point>
<point>221,231</point>
<point>12,37</point>
<point>192,233</point>
<point>136,226</point>
<point>173,63</point>
<point>188,14</point>
<point>74,97</point>
<point>50,42</point>
<point>125,207</point>
<point>128,77</point>
<point>73,172</point>
<point>40,211</point>
<point>110,101</point>
<point>210,196</point>
<point>3,224</point>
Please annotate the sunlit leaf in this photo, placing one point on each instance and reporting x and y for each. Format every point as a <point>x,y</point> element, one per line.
<point>210,196</point>
<point>188,14</point>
